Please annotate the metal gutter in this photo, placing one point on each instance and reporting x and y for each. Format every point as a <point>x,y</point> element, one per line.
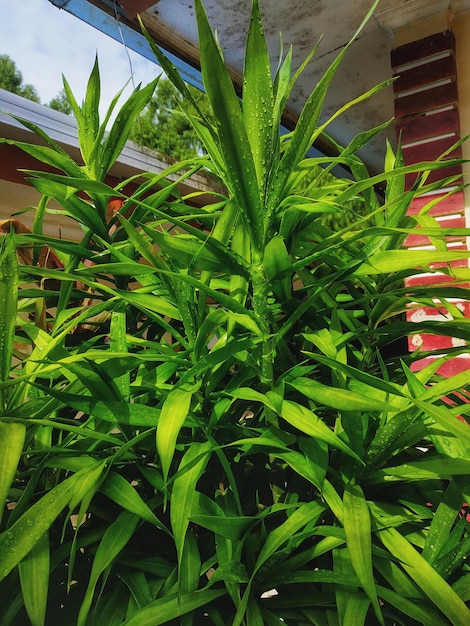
<point>62,128</point>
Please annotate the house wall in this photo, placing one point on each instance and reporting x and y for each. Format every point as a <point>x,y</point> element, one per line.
<point>459,25</point>
<point>461,28</point>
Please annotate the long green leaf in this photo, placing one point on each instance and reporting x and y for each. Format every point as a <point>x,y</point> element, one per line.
<point>441,468</point>
<point>175,410</point>
<point>8,308</point>
<point>415,610</point>
<point>139,587</point>
<point>310,424</point>
<point>118,343</point>
<point>381,262</point>
<point>446,419</point>
<point>91,118</point>
<point>357,528</point>
<point>306,513</point>
<point>85,489</point>
<point>338,398</point>
<point>446,514</point>
<point>189,252</point>
<point>425,576</point>
<point>12,437</point>
<point>374,382</point>
<point>240,166</point>
<point>112,411</point>
<point>301,139</point>
<point>258,97</point>
<point>169,608</point>
<point>49,156</point>
<point>151,302</point>
<point>114,540</point>
<point>308,466</point>
<point>233,528</point>
<point>34,572</point>
<point>189,572</point>
<point>119,133</point>
<point>22,536</point>
<point>183,492</point>
<point>357,607</point>
<point>118,489</point>
<point>277,263</point>
<point>77,208</point>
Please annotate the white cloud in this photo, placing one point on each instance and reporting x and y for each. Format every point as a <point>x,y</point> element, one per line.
<point>46,42</point>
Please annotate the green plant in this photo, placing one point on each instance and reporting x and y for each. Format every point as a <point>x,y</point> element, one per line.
<point>234,438</point>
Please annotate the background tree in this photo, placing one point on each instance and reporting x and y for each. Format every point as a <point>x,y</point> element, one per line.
<point>163,128</point>
<point>11,79</point>
<point>60,103</point>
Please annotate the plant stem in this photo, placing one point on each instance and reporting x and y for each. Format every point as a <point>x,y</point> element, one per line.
<point>262,314</point>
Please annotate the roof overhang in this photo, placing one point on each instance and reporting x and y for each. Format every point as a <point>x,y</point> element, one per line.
<point>172,25</point>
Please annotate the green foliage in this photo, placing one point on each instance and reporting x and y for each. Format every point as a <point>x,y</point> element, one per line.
<point>163,127</point>
<point>60,103</point>
<point>11,79</point>
<point>207,423</point>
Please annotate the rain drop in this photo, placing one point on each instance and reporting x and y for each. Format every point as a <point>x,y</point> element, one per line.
<point>29,522</point>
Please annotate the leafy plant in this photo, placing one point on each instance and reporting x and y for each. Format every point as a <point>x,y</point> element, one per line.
<point>202,417</point>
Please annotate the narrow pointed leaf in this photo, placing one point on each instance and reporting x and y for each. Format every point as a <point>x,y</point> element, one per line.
<point>425,576</point>
<point>357,527</point>
<point>183,492</point>
<point>258,96</point>
<point>381,262</point>
<point>167,608</point>
<point>34,572</point>
<point>338,398</point>
<point>175,410</point>
<point>22,536</point>
<point>121,127</point>
<point>12,437</point>
<point>91,118</point>
<point>118,489</point>
<point>115,538</point>
<point>310,424</point>
<point>233,528</point>
<point>240,167</point>
<point>306,513</point>
<point>49,156</point>
<point>9,302</point>
<point>301,139</point>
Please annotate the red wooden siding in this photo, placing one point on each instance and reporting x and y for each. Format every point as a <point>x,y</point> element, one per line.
<point>427,123</point>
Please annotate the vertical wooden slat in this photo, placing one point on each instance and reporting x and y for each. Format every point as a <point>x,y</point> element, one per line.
<point>423,49</point>
<point>426,99</point>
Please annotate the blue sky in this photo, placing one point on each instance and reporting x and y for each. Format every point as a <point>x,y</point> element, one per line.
<point>46,42</point>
